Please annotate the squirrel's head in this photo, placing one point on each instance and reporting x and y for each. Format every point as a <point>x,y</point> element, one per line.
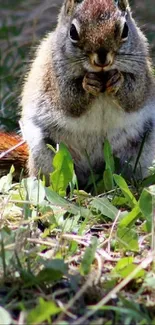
<point>95,30</point>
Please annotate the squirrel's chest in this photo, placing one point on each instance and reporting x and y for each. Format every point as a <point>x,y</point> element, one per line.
<point>102,118</point>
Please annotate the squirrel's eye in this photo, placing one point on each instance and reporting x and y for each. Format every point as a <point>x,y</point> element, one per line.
<point>74,34</point>
<point>125,32</point>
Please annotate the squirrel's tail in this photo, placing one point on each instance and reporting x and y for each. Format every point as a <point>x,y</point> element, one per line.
<point>13,151</point>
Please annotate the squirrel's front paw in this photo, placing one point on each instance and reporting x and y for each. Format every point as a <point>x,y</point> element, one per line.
<point>92,83</point>
<point>115,81</point>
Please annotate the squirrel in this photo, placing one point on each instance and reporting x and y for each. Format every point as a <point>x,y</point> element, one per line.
<point>91,80</point>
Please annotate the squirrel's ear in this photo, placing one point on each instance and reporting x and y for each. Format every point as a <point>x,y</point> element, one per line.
<point>123,4</point>
<point>69,6</point>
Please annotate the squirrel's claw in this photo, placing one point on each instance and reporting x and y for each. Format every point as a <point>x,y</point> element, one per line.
<point>92,83</point>
<point>115,82</point>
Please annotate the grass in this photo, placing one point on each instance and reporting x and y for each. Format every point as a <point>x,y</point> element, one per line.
<point>76,258</point>
<point>69,257</point>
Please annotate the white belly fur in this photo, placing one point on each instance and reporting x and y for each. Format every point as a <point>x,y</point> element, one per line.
<point>105,119</point>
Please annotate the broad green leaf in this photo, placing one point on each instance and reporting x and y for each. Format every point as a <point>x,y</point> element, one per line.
<point>108,179</point>
<point>105,207</point>
<point>28,278</point>
<point>6,181</point>
<point>109,166</point>
<point>123,262</point>
<point>5,317</point>
<point>88,257</point>
<point>123,273</point>
<point>56,264</point>
<point>100,186</point>
<point>12,212</point>
<point>42,312</point>
<point>125,266</point>
<point>119,201</point>
<point>56,199</point>
<point>63,170</point>
<point>130,218</point>
<point>148,181</point>
<point>125,190</point>
<point>54,270</point>
<point>15,195</point>
<point>35,191</point>
<point>108,156</point>
<point>149,281</point>
<point>128,239</point>
<point>73,247</point>
<point>82,194</point>
<point>70,224</point>
<point>146,203</point>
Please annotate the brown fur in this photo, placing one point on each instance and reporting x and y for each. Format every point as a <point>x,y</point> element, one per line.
<point>17,157</point>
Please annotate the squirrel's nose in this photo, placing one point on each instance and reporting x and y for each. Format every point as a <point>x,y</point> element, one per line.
<point>101,59</point>
<point>101,56</point>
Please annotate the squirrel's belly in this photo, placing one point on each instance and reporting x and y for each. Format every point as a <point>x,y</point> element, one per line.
<point>102,115</point>
<point>86,134</point>
<point>105,119</point>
